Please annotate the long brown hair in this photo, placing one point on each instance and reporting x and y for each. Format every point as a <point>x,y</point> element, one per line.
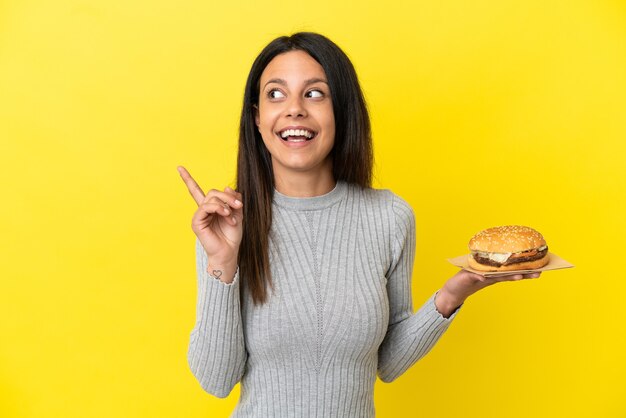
<point>352,153</point>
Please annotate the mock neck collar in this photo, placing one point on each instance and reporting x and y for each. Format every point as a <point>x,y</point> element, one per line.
<point>312,203</point>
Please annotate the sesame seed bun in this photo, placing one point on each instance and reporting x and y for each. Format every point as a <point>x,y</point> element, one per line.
<point>506,239</point>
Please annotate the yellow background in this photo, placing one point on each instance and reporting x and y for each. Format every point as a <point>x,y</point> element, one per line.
<point>484,113</point>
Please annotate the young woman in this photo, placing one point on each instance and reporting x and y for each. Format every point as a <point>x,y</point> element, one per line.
<point>304,271</point>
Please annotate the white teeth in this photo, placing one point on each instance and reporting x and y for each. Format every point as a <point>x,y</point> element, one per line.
<point>296,132</point>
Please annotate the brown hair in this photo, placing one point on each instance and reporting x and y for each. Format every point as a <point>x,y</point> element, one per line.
<point>352,153</point>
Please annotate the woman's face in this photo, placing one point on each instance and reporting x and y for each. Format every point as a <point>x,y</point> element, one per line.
<point>295,115</point>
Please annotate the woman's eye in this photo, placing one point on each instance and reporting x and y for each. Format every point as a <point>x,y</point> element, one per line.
<point>275,94</point>
<point>315,94</point>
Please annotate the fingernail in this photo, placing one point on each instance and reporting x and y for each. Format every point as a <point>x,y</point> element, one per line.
<point>237,202</point>
<point>234,220</point>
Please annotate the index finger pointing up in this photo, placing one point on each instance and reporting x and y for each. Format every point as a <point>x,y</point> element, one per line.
<point>195,190</point>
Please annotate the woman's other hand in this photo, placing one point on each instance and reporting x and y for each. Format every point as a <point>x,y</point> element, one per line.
<point>218,225</point>
<point>465,283</point>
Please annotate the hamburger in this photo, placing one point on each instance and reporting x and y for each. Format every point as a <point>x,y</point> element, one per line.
<point>507,248</point>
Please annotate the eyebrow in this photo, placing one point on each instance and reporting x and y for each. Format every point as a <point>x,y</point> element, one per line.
<point>306,82</point>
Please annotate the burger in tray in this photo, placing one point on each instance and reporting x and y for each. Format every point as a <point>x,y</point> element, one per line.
<point>508,248</point>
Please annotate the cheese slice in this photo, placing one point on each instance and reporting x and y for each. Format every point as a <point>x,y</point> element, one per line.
<point>499,257</point>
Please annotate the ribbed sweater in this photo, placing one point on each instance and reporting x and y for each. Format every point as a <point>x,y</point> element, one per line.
<point>341,311</point>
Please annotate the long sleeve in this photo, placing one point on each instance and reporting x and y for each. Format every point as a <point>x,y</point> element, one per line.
<point>217,354</point>
<point>409,335</point>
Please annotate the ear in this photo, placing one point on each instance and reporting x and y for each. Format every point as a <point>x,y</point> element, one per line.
<point>257,119</point>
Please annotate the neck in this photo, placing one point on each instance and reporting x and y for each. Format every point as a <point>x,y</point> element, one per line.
<point>304,184</point>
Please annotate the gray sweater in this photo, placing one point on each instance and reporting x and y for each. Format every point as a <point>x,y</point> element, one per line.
<point>341,311</point>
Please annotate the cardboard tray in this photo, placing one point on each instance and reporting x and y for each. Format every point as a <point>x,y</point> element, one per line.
<point>555,263</point>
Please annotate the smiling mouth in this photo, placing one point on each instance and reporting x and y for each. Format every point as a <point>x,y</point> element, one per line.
<point>296,135</point>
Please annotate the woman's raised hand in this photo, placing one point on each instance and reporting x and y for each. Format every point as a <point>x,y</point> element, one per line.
<point>218,225</point>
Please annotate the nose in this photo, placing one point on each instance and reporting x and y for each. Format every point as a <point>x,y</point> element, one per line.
<point>295,107</point>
